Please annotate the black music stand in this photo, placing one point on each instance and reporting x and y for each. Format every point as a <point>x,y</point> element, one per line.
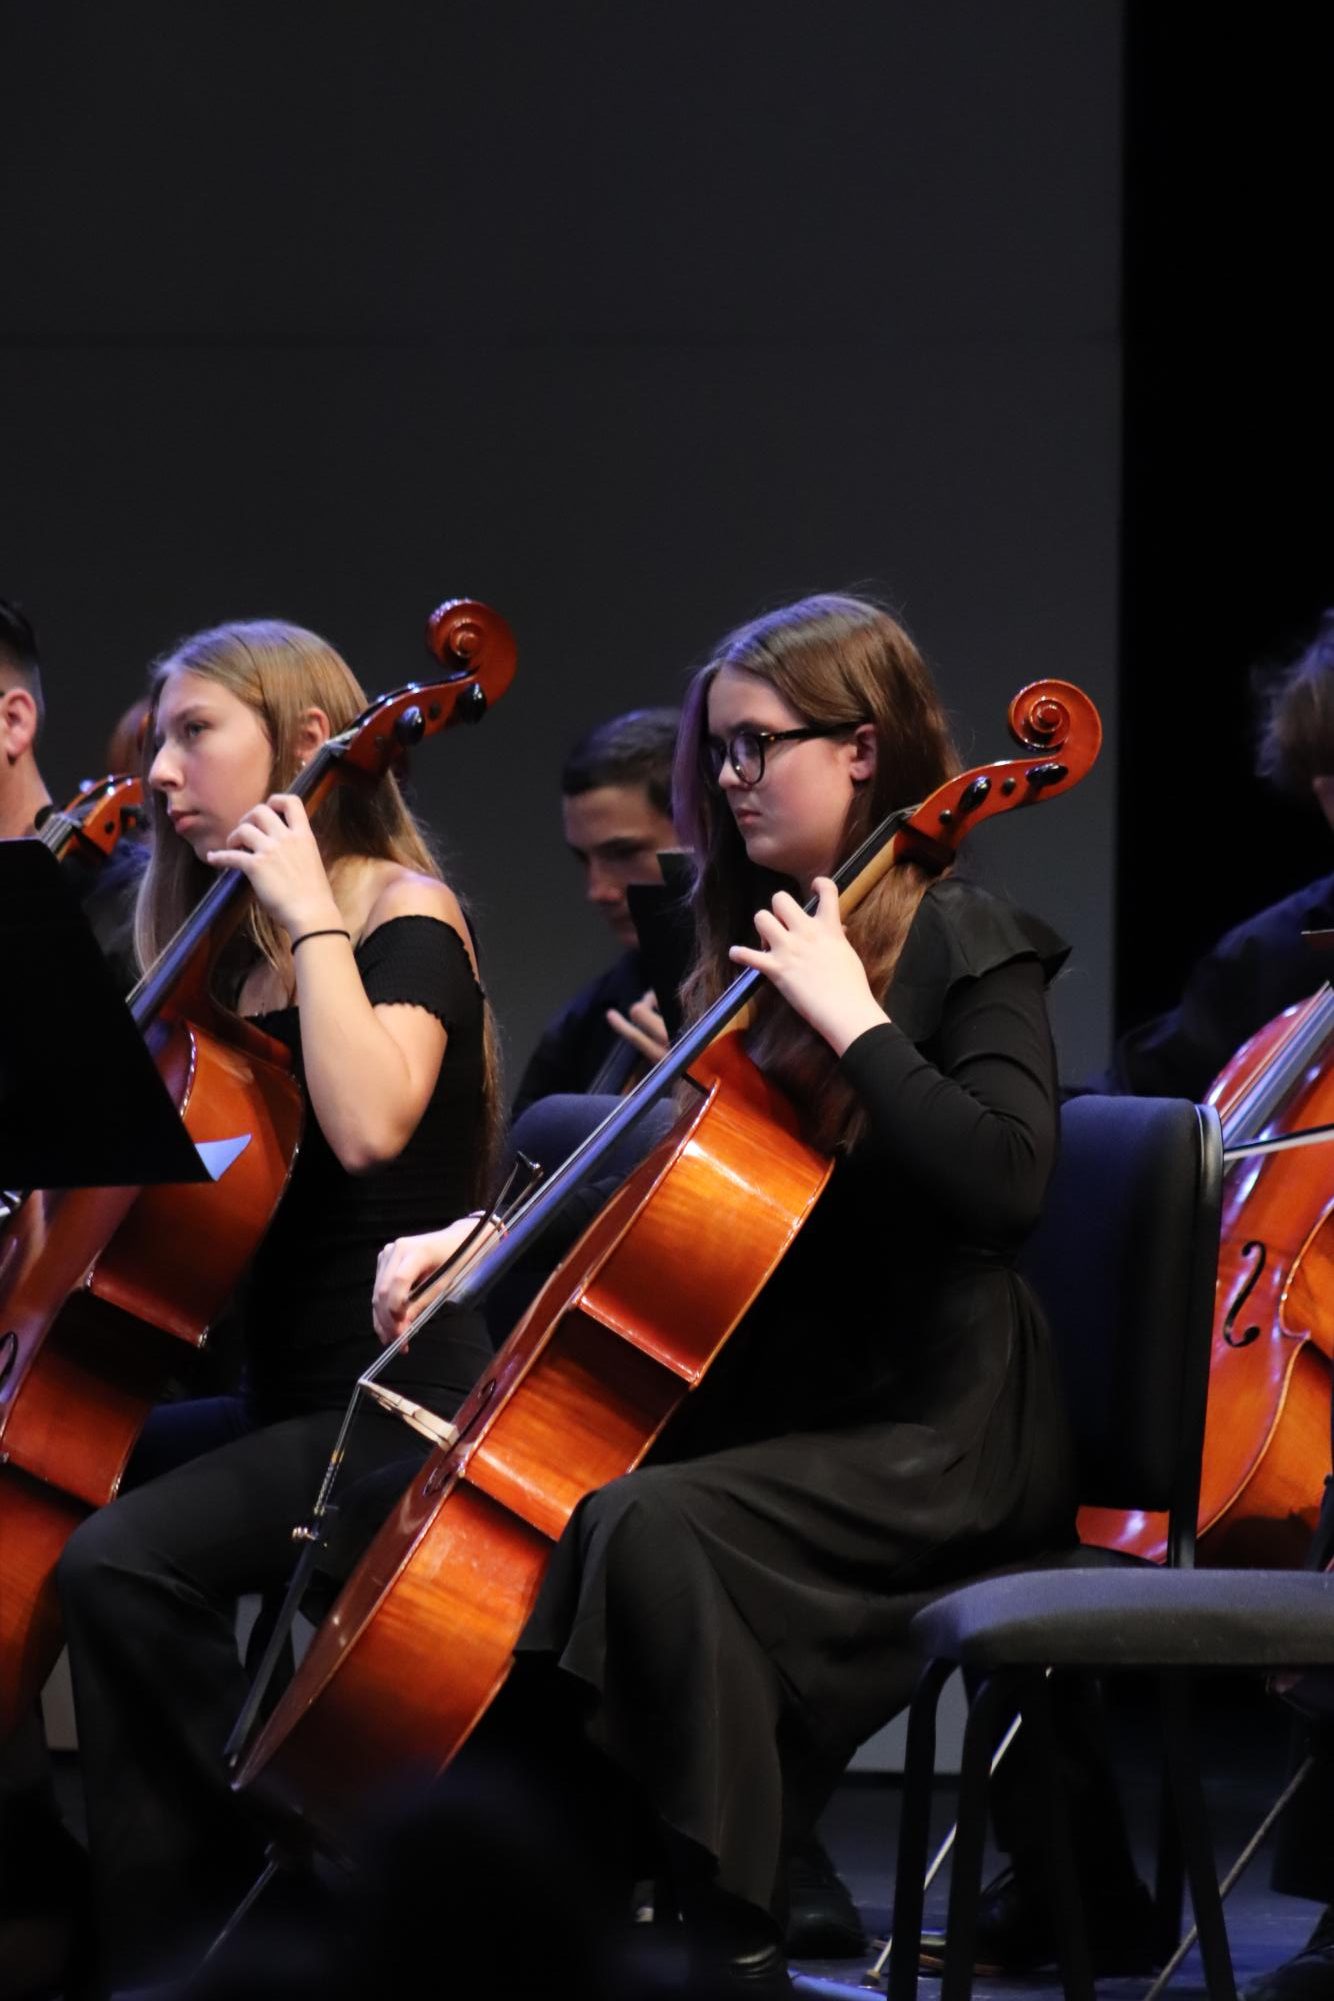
<point>666,929</point>
<point>81,1101</point>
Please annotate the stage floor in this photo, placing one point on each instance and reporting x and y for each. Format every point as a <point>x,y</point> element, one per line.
<point>1246,1741</point>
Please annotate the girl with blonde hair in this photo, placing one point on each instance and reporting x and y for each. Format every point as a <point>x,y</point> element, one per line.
<point>357,955</point>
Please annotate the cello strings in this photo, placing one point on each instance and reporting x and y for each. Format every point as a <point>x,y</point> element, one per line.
<point>1262,1100</point>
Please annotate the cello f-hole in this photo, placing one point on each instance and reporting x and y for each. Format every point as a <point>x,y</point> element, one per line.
<point>1242,1338</point>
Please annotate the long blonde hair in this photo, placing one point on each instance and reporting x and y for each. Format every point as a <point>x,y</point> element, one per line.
<point>281,671</point>
<point>834,660</point>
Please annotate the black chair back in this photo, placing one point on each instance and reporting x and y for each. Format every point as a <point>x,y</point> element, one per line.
<point>1125,1262</point>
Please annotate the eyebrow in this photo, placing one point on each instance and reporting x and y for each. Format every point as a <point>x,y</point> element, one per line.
<point>190,712</point>
<point>616,844</point>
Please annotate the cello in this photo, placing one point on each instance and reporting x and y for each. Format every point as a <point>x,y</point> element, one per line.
<point>420,1640</point>
<point>1267,1422</point>
<point>104,1290</point>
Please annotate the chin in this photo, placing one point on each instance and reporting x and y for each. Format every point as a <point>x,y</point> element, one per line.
<point>768,853</point>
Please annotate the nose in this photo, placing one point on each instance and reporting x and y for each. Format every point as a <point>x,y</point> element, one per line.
<point>164,772</point>
<point>602,886</point>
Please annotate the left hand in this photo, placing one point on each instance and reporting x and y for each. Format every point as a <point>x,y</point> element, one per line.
<point>814,967</point>
<point>275,848</point>
<point>643,1028</point>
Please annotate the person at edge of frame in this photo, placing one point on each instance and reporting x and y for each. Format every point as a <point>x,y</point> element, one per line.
<point>720,1628</point>
<point>1259,968</point>
<point>357,955</point>
<point>43,1867</point>
<point>106,889</point>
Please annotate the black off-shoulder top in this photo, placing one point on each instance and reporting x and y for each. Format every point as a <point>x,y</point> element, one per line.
<point>306,1307</point>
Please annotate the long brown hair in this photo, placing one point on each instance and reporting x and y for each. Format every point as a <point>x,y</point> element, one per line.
<point>281,671</point>
<point>840,661</point>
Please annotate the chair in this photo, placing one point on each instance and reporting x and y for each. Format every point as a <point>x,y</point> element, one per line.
<point>1125,1262</point>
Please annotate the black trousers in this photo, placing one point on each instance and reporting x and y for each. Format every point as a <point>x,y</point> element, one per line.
<point>149,1588</point>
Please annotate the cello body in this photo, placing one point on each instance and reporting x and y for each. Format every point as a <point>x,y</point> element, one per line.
<point>104,1291</point>
<point>453,1574</point>
<point>1267,1424</point>
<point>422,1637</point>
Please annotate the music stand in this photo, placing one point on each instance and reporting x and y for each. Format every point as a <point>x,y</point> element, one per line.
<point>666,931</point>
<point>81,1101</point>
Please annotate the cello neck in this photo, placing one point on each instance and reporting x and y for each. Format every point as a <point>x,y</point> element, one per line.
<point>1060,732</point>
<point>856,876</point>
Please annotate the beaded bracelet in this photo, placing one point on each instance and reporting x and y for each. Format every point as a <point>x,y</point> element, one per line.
<point>335,931</point>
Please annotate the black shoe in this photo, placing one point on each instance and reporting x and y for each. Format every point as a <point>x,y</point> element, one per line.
<point>735,1952</point>
<point>1015,1935</point>
<point>1307,1976</point>
<point>822,1920</point>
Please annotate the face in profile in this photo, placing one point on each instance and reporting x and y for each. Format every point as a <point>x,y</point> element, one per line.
<point>794,818</point>
<point>213,759</point>
<point>615,833</point>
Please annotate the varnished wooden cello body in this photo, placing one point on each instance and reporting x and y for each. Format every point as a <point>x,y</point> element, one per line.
<point>421,1639</point>
<point>103,1291</point>
<point>1267,1425</point>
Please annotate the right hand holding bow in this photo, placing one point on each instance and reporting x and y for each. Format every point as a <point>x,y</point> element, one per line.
<point>403,1264</point>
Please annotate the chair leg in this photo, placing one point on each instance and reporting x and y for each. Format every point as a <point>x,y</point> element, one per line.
<point>1169,1882</point>
<point>919,1766</point>
<point>1072,1952</point>
<point>989,1710</point>
<point>1193,1826</point>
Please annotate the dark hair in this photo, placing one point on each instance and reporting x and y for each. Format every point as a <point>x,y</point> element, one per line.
<point>1297,716</point>
<point>18,651</point>
<point>633,749</point>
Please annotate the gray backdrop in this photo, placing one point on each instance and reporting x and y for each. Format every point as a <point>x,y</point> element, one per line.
<point>632,321</point>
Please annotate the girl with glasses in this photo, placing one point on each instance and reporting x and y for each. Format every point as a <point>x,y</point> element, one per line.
<point>723,1626</point>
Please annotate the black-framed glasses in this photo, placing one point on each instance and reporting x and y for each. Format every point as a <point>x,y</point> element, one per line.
<point>745,749</point>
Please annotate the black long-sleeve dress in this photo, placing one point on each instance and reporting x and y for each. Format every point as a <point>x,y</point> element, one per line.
<point>885,1420</point>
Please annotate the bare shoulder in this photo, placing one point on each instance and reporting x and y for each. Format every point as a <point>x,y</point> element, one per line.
<point>397,891</point>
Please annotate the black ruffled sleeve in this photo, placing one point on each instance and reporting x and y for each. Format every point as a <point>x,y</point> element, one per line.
<point>960,932</point>
<point>969,1117</point>
<point>420,962</point>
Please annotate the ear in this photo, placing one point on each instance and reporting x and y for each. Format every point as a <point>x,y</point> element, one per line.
<point>865,754</point>
<point>312,730</point>
<point>18,722</point>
